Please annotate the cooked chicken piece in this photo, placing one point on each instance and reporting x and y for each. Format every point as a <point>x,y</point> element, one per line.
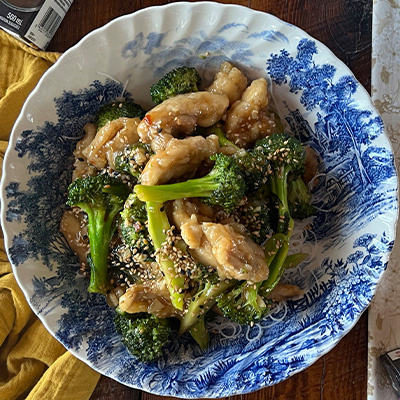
<point>236,226</point>
<point>160,142</point>
<point>237,255</point>
<point>125,137</point>
<point>192,232</point>
<point>114,295</point>
<point>311,165</point>
<point>181,114</point>
<point>111,139</point>
<point>222,246</point>
<point>74,228</point>
<point>228,150</point>
<point>206,212</point>
<point>180,157</point>
<point>200,247</point>
<point>184,212</point>
<point>81,165</point>
<point>153,299</point>
<point>284,292</point>
<point>181,210</point>
<point>248,120</point>
<point>230,81</point>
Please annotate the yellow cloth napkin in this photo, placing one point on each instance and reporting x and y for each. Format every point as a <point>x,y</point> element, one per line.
<point>33,365</point>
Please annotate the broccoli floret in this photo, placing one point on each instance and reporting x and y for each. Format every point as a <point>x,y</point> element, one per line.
<point>205,273</point>
<point>135,209</point>
<point>178,81</point>
<point>287,157</point>
<point>243,304</point>
<point>255,216</point>
<point>299,199</point>
<point>253,163</point>
<point>118,109</point>
<point>119,267</point>
<point>143,334</point>
<point>223,186</point>
<point>255,167</point>
<point>133,160</point>
<point>101,198</point>
<point>158,226</point>
<point>133,227</point>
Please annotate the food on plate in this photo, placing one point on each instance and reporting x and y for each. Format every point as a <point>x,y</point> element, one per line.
<point>118,109</point>
<point>102,198</point>
<point>178,81</point>
<point>180,115</point>
<point>187,210</point>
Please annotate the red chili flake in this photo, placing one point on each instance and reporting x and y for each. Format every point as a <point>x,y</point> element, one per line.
<point>147,119</point>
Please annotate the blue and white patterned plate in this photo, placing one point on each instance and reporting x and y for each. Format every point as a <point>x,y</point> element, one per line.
<point>349,240</point>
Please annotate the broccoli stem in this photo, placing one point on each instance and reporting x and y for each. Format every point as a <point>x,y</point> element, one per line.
<point>276,252</point>
<point>277,265</point>
<point>223,186</point>
<point>272,246</point>
<point>200,334</point>
<point>200,187</point>
<point>279,188</point>
<point>202,303</point>
<point>158,225</point>
<point>293,260</point>
<point>222,139</point>
<point>100,232</point>
<point>279,128</point>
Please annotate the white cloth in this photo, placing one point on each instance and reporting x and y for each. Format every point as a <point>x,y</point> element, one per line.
<point>384,312</point>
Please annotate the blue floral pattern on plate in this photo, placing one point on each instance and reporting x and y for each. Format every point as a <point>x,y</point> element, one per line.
<point>349,239</point>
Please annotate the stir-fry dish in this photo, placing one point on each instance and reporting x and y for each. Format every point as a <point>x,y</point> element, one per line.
<point>185,212</point>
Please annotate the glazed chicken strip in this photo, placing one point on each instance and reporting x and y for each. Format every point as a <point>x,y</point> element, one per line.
<point>221,246</point>
<point>110,139</point>
<point>188,213</point>
<point>284,292</point>
<point>160,142</point>
<point>181,210</point>
<point>180,157</point>
<point>247,120</point>
<point>148,298</point>
<point>230,81</point>
<point>181,114</point>
<point>81,166</point>
<point>74,228</point>
<point>237,255</point>
<point>200,248</point>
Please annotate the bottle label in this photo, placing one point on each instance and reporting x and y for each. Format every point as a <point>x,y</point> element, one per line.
<point>33,22</point>
<point>394,355</point>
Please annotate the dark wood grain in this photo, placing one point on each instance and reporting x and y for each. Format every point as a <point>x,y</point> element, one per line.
<point>344,26</point>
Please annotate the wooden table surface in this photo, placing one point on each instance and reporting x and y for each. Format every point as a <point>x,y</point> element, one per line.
<point>345,27</point>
